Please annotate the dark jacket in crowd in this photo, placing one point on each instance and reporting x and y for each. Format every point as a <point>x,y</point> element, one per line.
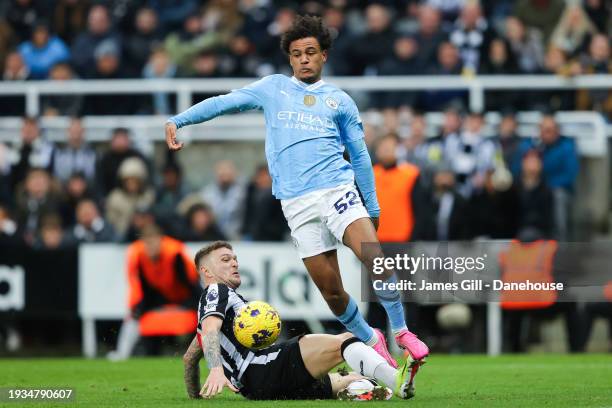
<point>263,218</point>
<point>426,208</point>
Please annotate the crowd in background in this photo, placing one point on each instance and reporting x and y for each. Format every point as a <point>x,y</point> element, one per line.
<point>64,39</point>
<point>458,185</point>
<point>463,185</point>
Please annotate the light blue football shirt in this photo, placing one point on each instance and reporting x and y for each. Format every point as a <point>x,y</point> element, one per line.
<point>307,128</point>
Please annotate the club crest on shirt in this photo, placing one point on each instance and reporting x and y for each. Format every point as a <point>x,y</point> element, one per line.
<point>331,103</point>
<point>309,100</point>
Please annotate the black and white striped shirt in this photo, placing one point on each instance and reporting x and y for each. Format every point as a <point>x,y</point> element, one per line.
<point>222,301</point>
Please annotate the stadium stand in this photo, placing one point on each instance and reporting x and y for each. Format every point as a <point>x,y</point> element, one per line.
<point>87,85</point>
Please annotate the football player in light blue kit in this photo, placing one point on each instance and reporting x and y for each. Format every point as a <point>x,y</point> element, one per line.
<point>308,125</point>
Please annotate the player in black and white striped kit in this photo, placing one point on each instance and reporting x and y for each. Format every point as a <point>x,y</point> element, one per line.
<point>222,301</point>
<point>296,369</point>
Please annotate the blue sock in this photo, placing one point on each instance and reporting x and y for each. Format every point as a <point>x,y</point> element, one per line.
<point>391,301</point>
<point>355,323</point>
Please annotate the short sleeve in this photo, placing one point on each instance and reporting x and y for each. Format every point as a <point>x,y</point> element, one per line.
<point>213,302</point>
<point>351,127</point>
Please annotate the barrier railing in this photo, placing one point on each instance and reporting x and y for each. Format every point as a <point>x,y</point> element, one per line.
<point>185,88</point>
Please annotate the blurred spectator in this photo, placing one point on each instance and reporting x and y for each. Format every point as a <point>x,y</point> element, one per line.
<point>173,13</point>
<point>76,189</point>
<point>77,156</point>
<point>43,51</point>
<point>541,14</point>
<point>37,198</point>
<point>139,45</point>
<point>160,66</point>
<point>257,17</point>
<point>396,185</point>
<point>201,225</point>
<point>471,155</point>
<point>599,12</point>
<point>226,197</point>
<point>535,198</point>
<point>369,49</point>
<point>274,59</point>
<point>526,45</point>
<point>22,15</point>
<point>206,65</point>
<point>143,218</point>
<point>241,58</point>
<point>597,62</point>
<point>123,14</point>
<point>51,235</point>
<point>15,68</point>
<point>402,61</point>
<point>163,289</point>
<point>69,18</point>
<point>415,148</point>
<point>560,169</point>
<point>471,36</point>
<point>441,213</point>
<point>509,140</point>
<point>133,193</point>
<point>557,63</point>
<point>62,104</point>
<point>573,31</point>
<point>263,218</point>
<point>120,149</point>
<point>428,37</point>
<point>86,43</point>
<point>224,17</point>
<point>337,61</point>
<point>183,46</point>
<point>495,208</point>
<point>90,226</point>
<point>170,193</point>
<point>451,124</point>
<point>32,150</point>
<point>448,63</point>
<point>436,148</point>
<point>499,60</point>
<point>108,65</point>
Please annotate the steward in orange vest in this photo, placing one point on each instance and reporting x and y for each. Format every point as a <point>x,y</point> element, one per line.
<point>163,285</point>
<point>395,185</point>
<point>532,261</point>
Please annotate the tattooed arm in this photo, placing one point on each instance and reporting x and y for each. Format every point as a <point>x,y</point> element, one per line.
<point>216,379</point>
<point>191,361</point>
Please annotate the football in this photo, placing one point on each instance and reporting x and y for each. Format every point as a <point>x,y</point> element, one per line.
<point>257,325</point>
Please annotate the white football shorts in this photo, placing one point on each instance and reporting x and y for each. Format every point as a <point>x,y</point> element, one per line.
<point>318,219</point>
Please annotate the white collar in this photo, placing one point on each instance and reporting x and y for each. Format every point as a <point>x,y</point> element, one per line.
<point>308,87</point>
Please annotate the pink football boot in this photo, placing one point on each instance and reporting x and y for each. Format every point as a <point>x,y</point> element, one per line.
<point>411,343</point>
<point>381,348</point>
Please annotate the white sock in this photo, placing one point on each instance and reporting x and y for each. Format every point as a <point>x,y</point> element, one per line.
<point>367,362</point>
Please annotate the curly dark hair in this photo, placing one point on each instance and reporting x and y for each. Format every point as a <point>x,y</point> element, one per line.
<point>307,26</point>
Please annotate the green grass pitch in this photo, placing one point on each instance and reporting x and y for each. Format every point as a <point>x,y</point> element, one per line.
<point>446,381</point>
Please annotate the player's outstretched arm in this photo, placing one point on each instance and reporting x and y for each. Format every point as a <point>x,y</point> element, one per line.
<point>191,362</point>
<point>216,379</point>
<point>239,100</point>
